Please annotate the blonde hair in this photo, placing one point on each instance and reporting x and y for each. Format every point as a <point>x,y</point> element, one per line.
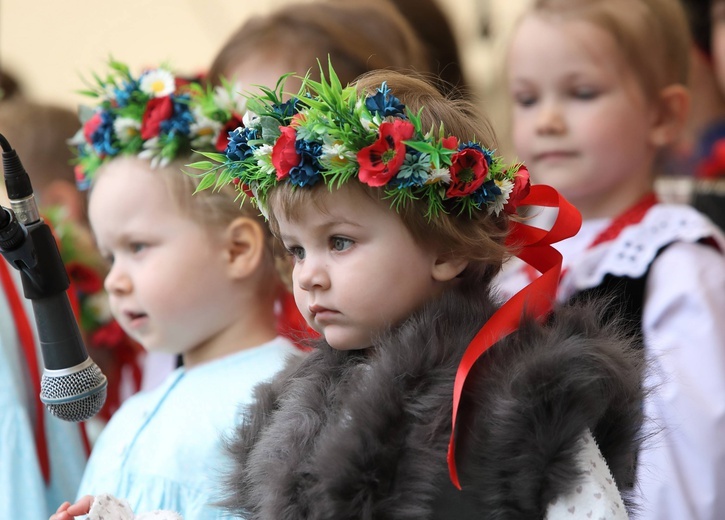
<point>653,35</point>
<point>479,237</point>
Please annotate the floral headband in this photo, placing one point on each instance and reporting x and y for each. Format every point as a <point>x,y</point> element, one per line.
<point>331,134</point>
<point>151,116</point>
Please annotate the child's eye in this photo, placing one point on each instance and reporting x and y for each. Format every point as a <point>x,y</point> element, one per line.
<point>298,253</point>
<point>525,99</point>
<point>136,247</point>
<point>585,93</point>
<point>340,243</point>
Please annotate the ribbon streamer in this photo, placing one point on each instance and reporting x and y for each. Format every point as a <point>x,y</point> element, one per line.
<point>536,299</point>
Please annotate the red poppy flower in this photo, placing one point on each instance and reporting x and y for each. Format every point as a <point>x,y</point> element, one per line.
<point>468,172</point>
<point>157,111</point>
<point>522,186</point>
<point>380,161</point>
<point>91,126</point>
<point>223,138</point>
<point>85,279</point>
<point>284,154</point>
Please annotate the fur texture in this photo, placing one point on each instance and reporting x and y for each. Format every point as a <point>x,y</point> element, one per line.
<point>363,435</point>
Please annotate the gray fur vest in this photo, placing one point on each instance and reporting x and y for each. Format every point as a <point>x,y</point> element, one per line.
<point>364,434</point>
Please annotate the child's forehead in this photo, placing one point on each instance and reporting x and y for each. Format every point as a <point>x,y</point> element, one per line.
<point>565,45</point>
<point>347,203</point>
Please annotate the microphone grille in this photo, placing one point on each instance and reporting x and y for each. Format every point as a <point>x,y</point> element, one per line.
<point>75,396</point>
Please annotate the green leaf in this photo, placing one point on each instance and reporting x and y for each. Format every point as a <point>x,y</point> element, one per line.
<point>207,182</point>
<point>201,165</point>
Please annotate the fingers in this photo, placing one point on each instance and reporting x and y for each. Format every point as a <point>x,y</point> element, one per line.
<point>60,512</point>
<point>68,511</point>
<point>82,507</point>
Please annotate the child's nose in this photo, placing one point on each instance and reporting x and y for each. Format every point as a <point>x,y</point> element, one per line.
<point>312,274</point>
<point>550,119</point>
<point>117,280</point>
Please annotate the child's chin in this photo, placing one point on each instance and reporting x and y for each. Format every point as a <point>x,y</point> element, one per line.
<point>346,343</point>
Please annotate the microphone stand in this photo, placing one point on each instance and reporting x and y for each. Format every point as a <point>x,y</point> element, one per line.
<point>72,387</point>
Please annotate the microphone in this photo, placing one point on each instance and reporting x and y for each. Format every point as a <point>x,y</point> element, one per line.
<point>72,387</point>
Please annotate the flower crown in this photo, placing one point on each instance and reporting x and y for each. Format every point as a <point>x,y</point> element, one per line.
<point>329,133</point>
<point>151,116</point>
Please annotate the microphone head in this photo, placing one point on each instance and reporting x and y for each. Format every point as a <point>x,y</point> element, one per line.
<point>74,394</point>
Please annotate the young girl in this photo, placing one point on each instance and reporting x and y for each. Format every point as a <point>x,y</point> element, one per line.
<point>597,90</point>
<point>190,276</point>
<point>396,211</point>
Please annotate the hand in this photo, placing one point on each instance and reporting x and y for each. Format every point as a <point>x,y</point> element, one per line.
<point>68,511</point>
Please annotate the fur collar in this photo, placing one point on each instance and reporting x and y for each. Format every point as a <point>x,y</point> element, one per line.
<point>364,434</point>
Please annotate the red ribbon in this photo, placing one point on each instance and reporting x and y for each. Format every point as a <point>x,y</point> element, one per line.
<point>27,342</point>
<point>535,300</point>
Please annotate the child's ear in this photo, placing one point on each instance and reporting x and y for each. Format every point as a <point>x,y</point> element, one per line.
<point>446,268</point>
<point>673,109</point>
<point>244,246</point>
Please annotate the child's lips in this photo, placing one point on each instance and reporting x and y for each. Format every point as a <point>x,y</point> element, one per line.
<point>554,155</point>
<point>320,313</point>
<point>135,319</point>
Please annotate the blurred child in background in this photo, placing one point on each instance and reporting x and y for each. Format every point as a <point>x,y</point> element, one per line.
<point>598,92</point>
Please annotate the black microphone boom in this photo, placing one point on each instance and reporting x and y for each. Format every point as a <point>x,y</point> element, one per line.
<point>73,388</point>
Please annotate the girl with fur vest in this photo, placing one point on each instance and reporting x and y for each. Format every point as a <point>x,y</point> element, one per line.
<point>397,215</point>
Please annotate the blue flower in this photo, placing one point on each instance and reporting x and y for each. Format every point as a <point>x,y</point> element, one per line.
<point>180,119</point>
<point>103,138</point>
<point>287,109</point>
<point>124,93</point>
<point>307,172</point>
<point>414,170</point>
<point>238,148</point>
<point>384,103</point>
<point>486,193</point>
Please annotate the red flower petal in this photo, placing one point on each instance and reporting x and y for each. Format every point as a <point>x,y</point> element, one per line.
<point>522,186</point>
<point>223,138</point>
<point>284,154</point>
<point>468,172</point>
<point>157,111</point>
<point>382,160</point>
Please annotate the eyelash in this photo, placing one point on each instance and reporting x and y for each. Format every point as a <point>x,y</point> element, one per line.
<point>337,244</point>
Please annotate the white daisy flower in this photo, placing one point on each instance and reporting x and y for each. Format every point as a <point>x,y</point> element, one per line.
<point>439,175</point>
<point>204,129</point>
<point>126,128</point>
<point>157,83</point>
<point>335,152</point>
<point>506,186</point>
<point>152,152</point>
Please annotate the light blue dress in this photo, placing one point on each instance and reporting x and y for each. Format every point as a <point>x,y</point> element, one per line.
<point>163,449</point>
<point>23,492</point>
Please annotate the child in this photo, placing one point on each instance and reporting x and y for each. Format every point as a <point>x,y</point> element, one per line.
<point>395,216</point>
<point>598,92</point>
<point>193,276</point>
<point>358,35</point>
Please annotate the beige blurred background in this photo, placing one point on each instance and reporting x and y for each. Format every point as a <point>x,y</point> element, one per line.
<point>51,45</point>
